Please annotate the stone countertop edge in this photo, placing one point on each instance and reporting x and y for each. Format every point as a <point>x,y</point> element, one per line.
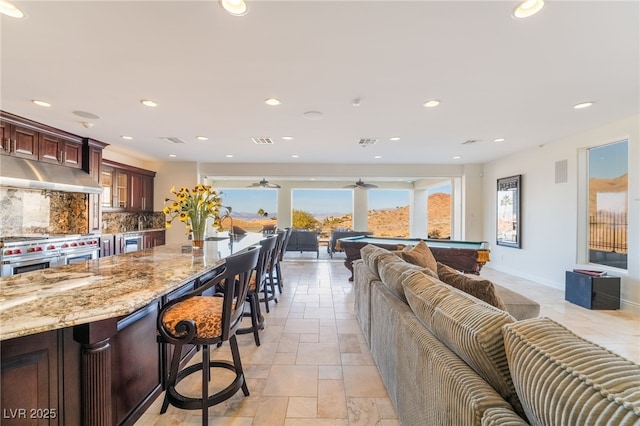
<point>99,289</point>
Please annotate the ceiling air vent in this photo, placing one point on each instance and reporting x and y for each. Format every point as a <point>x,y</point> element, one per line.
<point>364,142</point>
<point>470,141</point>
<point>262,141</point>
<point>172,139</point>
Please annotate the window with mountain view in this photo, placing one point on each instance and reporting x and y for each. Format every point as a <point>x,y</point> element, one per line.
<point>608,204</point>
<point>322,209</point>
<point>253,209</point>
<point>439,211</point>
<point>388,214</point>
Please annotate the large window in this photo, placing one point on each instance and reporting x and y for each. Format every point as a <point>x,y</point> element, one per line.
<point>439,211</point>
<point>252,209</point>
<point>388,214</point>
<point>608,206</point>
<point>322,209</point>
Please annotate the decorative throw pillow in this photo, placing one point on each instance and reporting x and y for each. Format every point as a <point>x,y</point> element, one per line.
<point>479,288</point>
<point>421,255</point>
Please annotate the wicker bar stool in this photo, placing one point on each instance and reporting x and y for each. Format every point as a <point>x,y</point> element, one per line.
<point>208,320</point>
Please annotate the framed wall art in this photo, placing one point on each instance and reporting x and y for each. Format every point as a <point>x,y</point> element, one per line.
<point>508,226</point>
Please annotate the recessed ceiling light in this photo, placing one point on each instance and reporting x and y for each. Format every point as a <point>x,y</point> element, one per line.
<point>313,115</point>
<point>499,140</point>
<point>127,137</point>
<point>295,156</point>
<point>41,103</point>
<point>287,138</point>
<point>431,103</point>
<point>377,157</point>
<point>235,7</point>
<point>457,157</point>
<point>229,155</point>
<point>395,138</point>
<point>528,8</point>
<point>202,138</point>
<point>272,102</point>
<point>583,105</point>
<point>172,155</point>
<point>10,10</point>
<point>149,103</point>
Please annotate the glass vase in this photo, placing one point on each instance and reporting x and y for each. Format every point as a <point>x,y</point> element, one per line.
<point>197,239</point>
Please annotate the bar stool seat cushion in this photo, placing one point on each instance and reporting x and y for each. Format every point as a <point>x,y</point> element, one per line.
<point>204,311</point>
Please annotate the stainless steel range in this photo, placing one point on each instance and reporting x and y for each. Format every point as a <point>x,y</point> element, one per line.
<point>24,254</point>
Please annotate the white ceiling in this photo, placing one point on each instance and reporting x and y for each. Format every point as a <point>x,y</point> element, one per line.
<point>496,76</point>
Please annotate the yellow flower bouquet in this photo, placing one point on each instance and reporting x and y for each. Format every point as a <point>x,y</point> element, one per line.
<point>193,208</point>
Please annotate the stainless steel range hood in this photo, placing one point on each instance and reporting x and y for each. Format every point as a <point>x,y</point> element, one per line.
<point>23,173</point>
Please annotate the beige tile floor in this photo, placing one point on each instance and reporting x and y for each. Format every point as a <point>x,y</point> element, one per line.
<point>313,367</point>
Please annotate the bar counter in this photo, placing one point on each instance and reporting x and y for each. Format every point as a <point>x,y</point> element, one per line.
<point>90,329</point>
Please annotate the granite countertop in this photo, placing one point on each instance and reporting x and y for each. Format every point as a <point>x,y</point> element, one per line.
<point>104,288</point>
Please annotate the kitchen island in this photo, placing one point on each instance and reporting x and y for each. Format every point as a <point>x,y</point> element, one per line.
<point>79,341</point>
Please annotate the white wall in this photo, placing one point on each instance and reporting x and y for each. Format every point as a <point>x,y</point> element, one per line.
<point>550,211</point>
<point>168,175</point>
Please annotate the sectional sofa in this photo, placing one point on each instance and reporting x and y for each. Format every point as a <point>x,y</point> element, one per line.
<point>448,357</point>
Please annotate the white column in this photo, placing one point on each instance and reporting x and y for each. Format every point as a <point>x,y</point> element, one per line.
<point>472,204</point>
<point>419,217</point>
<point>360,210</point>
<point>284,206</point>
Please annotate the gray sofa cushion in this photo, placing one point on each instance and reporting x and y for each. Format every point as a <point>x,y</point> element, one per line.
<point>563,379</point>
<point>392,272</point>
<point>468,326</point>
<point>500,416</point>
<point>362,282</point>
<point>427,383</point>
<point>519,306</point>
<point>371,255</point>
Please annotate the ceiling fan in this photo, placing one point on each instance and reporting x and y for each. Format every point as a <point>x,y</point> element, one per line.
<point>360,184</point>
<point>264,184</point>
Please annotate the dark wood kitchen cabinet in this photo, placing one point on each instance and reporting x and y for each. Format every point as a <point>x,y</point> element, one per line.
<point>92,164</point>
<point>30,379</point>
<point>141,192</point>
<point>18,140</point>
<point>21,137</point>
<point>58,150</point>
<point>153,239</point>
<point>126,188</point>
<point>47,378</point>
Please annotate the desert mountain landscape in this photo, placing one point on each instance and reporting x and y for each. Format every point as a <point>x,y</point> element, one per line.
<point>384,223</point>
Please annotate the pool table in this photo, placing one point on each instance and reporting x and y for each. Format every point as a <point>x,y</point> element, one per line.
<point>465,256</point>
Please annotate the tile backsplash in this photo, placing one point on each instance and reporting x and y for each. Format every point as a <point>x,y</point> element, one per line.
<point>29,212</point>
<point>36,212</point>
<point>114,222</point>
